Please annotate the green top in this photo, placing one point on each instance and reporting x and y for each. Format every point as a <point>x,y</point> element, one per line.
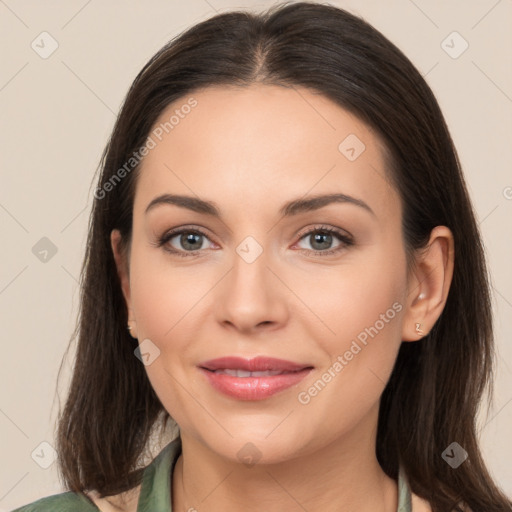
<point>155,494</point>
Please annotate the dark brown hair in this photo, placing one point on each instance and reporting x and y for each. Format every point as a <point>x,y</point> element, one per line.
<point>433,394</point>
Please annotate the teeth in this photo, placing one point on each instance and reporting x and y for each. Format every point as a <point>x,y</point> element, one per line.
<point>244,373</point>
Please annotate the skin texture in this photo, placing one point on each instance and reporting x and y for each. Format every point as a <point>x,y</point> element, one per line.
<point>250,150</point>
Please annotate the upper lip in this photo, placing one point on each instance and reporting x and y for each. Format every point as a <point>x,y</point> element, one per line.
<point>256,364</point>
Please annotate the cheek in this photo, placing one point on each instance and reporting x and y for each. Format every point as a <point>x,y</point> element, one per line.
<point>164,302</point>
<point>163,295</point>
<point>353,297</point>
<point>364,299</point>
<point>361,305</point>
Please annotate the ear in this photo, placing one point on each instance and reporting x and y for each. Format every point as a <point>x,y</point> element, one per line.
<point>122,265</point>
<point>429,284</point>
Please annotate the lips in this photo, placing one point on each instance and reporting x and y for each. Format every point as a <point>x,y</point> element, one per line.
<point>255,365</point>
<point>252,379</point>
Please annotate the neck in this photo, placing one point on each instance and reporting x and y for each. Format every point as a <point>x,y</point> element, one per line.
<point>342,476</point>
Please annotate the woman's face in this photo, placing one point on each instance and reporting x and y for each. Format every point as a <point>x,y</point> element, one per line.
<point>264,280</point>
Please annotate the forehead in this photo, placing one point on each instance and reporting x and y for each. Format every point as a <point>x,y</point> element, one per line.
<point>262,144</point>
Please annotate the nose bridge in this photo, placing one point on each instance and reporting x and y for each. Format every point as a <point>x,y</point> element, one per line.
<point>250,265</point>
<point>249,297</point>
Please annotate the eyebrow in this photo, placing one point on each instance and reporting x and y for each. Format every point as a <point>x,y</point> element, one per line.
<point>289,209</point>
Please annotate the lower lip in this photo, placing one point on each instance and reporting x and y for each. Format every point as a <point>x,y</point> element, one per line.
<point>253,388</point>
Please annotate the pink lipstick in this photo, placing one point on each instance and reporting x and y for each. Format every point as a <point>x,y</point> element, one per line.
<point>253,379</point>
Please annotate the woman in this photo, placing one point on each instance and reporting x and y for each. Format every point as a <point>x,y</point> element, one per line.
<point>282,224</point>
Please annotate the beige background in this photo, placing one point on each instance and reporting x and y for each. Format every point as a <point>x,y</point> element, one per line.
<point>57,114</point>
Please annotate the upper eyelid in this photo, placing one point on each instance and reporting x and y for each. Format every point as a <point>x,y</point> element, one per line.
<point>323,227</point>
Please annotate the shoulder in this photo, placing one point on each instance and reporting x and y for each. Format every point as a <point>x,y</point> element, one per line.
<point>91,502</point>
<point>155,486</point>
<point>64,502</point>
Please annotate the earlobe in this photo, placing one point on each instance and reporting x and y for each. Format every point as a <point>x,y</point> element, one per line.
<point>429,285</point>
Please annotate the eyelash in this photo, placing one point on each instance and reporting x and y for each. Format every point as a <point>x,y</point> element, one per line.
<point>346,241</point>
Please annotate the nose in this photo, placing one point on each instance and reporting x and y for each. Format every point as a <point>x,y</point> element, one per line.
<point>251,297</point>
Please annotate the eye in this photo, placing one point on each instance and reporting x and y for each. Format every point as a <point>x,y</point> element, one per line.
<point>188,241</point>
<point>321,239</point>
